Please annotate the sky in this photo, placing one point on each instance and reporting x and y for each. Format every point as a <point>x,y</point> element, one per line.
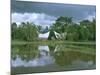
<point>45,14</point>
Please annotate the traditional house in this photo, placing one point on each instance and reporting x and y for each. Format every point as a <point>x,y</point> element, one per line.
<point>50,35</point>
<point>43,36</point>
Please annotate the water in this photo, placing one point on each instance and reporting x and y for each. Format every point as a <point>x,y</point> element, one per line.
<point>31,58</point>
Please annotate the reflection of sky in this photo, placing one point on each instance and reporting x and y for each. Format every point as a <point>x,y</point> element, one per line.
<point>48,60</point>
<point>83,64</point>
<point>45,13</point>
<point>44,59</point>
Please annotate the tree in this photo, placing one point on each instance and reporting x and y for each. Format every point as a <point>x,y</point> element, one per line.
<point>13,30</point>
<point>87,30</point>
<point>25,31</point>
<point>92,30</point>
<point>39,28</point>
<point>31,32</point>
<point>72,32</point>
<point>61,24</point>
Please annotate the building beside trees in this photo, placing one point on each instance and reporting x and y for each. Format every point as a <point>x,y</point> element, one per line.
<point>63,29</point>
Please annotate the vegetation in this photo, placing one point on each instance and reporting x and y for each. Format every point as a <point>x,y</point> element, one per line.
<point>84,31</point>
<point>28,52</point>
<point>77,42</point>
<point>25,31</point>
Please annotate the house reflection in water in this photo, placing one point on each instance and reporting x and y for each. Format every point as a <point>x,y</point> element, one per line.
<point>62,57</point>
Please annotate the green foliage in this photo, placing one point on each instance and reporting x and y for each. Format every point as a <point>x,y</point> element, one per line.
<point>25,31</point>
<point>68,30</point>
<point>63,58</point>
<point>26,52</point>
<point>61,24</point>
<point>85,31</point>
<point>72,32</point>
<point>13,30</point>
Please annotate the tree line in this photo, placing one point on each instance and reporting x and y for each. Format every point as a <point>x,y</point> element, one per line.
<point>85,30</point>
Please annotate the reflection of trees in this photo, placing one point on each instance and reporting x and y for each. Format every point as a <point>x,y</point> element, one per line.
<point>63,55</point>
<point>26,52</point>
<point>14,52</point>
<point>67,57</point>
<point>51,48</point>
<point>66,54</point>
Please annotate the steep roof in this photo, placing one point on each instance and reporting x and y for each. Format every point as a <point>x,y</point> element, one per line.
<point>45,35</point>
<point>49,35</point>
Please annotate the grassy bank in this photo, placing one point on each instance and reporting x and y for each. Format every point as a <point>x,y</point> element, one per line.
<point>50,42</point>
<point>85,47</point>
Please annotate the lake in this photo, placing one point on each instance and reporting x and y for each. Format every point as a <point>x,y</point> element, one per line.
<point>31,58</point>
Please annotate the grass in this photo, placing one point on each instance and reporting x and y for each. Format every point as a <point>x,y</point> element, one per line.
<point>85,47</point>
<point>86,50</point>
<point>50,42</point>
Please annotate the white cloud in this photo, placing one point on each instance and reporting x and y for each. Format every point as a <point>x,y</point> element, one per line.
<point>36,18</point>
<point>90,17</point>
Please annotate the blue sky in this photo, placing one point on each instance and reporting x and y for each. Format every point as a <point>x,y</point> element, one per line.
<point>46,13</point>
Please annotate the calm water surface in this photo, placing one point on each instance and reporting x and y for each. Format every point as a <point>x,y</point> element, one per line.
<point>31,58</point>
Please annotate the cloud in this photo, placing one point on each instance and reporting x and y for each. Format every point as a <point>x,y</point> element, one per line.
<point>36,18</point>
<point>90,17</point>
<point>54,9</point>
